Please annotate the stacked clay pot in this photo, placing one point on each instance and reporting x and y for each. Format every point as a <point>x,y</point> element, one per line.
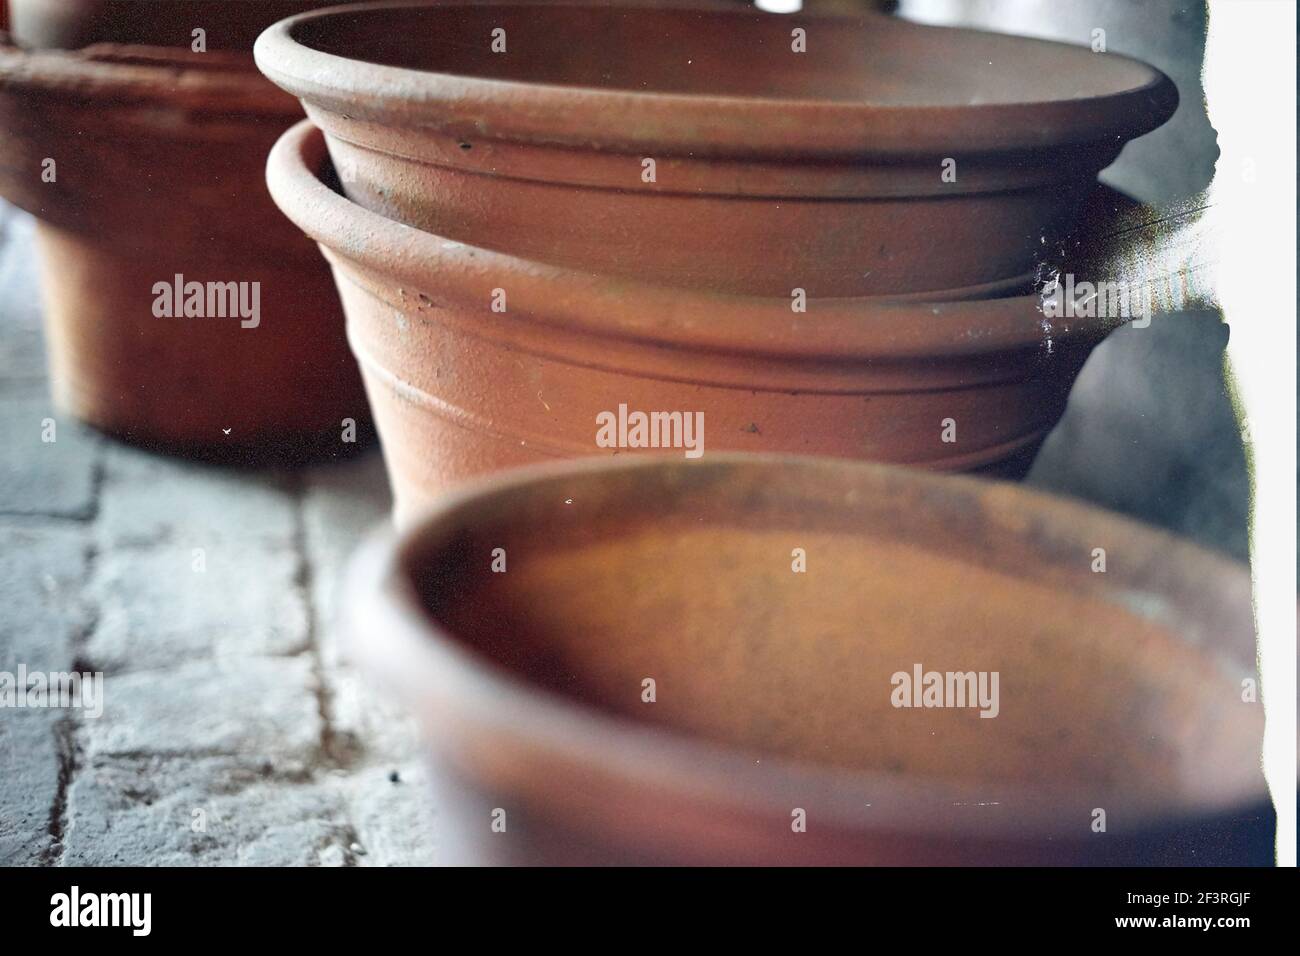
<point>139,153</point>
<point>820,233</point>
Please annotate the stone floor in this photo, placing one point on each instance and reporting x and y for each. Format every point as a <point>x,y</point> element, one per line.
<point>233,732</point>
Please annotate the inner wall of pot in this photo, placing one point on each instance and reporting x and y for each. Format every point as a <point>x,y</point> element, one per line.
<point>877,61</point>
<point>748,653</point>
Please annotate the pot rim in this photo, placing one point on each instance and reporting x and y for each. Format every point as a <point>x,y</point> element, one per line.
<point>697,124</point>
<point>220,82</point>
<point>391,633</point>
<point>838,330</point>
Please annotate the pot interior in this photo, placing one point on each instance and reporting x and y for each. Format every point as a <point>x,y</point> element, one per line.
<point>684,575</point>
<point>874,61</point>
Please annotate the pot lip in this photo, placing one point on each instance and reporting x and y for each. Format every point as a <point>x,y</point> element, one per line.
<point>697,124</point>
<point>220,82</point>
<point>836,330</point>
<point>390,632</point>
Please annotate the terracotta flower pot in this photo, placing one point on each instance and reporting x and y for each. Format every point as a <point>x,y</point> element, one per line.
<point>460,389</point>
<point>68,24</point>
<point>523,621</point>
<point>142,165</point>
<point>772,169</point>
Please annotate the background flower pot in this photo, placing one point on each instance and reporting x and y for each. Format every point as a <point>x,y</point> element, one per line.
<point>773,169</point>
<point>68,24</point>
<point>773,690</point>
<point>142,164</point>
<point>459,389</point>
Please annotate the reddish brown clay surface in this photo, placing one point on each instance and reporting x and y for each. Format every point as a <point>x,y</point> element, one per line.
<point>773,169</point>
<point>521,620</point>
<point>158,172</point>
<point>226,24</point>
<point>460,389</point>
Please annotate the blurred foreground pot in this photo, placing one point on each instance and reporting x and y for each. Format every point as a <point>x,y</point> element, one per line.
<point>144,165</point>
<point>697,148</point>
<point>651,679</point>
<point>460,387</point>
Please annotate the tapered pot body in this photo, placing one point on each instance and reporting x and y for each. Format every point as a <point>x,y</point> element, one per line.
<point>476,361</point>
<point>183,310</point>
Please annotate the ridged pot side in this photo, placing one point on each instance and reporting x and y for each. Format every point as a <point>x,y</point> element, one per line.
<point>154,177</point>
<point>461,388</point>
<point>460,391</point>
<point>743,228</point>
<point>706,150</point>
<point>775,690</point>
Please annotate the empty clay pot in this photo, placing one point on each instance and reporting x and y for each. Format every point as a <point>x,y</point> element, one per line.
<point>460,389</point>
<point>143,164</point>
<point>889,158</point>
<point>619,662</point>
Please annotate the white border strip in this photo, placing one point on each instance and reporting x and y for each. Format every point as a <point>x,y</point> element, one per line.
<point>1250,71</point>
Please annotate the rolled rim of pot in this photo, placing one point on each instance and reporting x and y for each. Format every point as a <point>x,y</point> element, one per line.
<point>961,92</point>
<point>395,633</point>
<point>451,273</point>
<point>202,83</point>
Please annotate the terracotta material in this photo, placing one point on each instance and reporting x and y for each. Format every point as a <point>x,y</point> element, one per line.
<point>774,169</point>
<point>459,389</point>
<point>774,691</point>
<point>68,24</point>
<point>158,164</point>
